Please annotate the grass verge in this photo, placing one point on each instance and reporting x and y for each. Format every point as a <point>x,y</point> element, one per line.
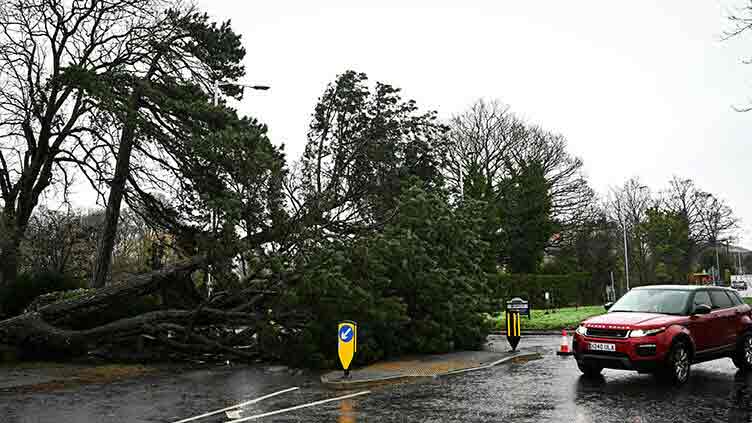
<point>568,317</point>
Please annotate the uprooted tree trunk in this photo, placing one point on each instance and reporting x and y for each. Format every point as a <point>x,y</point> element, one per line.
<point>206,329</point>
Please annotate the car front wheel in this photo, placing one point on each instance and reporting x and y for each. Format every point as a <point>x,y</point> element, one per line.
<point>678,364</point>
<point>743,356</point>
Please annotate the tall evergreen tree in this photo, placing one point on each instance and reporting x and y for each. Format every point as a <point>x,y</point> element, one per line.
<point>159,98</point>
<point>364,147</point>
<point>525,206</point>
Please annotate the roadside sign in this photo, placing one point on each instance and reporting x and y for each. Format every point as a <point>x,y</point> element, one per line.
<point>519,305</point>
<point>347,343</point>
<point>514,330</point>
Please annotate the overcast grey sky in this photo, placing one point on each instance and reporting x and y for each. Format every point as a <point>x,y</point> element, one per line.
<point>642,88</point>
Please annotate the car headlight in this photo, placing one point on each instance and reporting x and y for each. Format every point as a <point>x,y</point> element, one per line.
<point>637,333</point>
<point>582,330</point>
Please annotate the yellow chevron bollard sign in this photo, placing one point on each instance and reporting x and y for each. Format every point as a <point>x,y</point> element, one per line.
<point>347,340</point>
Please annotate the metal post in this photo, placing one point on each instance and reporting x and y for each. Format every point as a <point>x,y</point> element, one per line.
<point>216,93</point>
<point>739,269</point>
<point>717,265</point>
<point>626,256</point>
<point>741,263</point>
<point>462,183</point>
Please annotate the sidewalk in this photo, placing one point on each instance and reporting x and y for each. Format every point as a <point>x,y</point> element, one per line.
<point>424,367</point>
<point>44,376</point>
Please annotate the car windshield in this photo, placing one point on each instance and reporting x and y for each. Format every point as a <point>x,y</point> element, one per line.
<point>664,301</point>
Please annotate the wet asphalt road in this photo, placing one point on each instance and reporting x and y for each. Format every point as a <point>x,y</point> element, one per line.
<point>547,390</point>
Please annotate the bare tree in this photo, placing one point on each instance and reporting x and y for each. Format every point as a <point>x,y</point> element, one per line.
<point>708,219</point>
<point>716,219</point>
<point>742,22</point>
<point>569,191</point>
<point>490,140</point>
<point>480,140</point>
<point>629,207</point>
<point>59,241</point>
<point>685,200</point>
<point>45,118</point>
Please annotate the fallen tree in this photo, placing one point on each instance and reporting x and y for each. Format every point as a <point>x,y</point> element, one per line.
<point>220,327</point>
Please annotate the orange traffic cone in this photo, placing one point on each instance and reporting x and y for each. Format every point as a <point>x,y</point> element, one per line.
<point>564,348</point>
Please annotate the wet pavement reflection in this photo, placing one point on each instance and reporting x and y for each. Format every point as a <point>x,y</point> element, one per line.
<point>547,390</point>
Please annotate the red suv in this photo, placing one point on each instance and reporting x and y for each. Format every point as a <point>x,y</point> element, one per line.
<point>663,329</point>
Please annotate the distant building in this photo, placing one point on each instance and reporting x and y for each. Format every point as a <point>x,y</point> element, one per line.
<point>700,278</point>
<point>736,249</point>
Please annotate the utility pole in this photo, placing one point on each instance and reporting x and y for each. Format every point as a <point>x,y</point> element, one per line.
<point>739,269</point>
<point>736,264</point>
<point>626,256</point>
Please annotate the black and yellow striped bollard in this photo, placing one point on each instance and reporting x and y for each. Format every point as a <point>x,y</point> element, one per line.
<point>514,331</point>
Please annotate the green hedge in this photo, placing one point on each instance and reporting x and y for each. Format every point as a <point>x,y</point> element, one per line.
<point>565,290</point>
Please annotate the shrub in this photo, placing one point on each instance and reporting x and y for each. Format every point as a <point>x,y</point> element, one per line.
<point>419,286</point>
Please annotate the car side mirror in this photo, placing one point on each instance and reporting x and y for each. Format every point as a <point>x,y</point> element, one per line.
<point>702,309</point>
<point>608,305</point>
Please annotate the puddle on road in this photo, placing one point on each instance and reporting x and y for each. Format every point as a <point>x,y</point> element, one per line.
<point>346,412</point>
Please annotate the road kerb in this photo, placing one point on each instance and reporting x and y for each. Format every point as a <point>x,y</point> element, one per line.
<point>514,358</point>
<point>346,385</point>
<point>377,381</point>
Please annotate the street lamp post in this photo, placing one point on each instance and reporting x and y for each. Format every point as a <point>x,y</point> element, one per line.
<point>626,256</point>
<point>213,218</point>
<point>717,266</point>
<point>218,84</point>
<point>740,269</point>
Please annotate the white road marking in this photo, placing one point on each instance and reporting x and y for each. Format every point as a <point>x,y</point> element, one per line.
<point>242,404</point>
<point>297,407</point>
<point>234,414</point>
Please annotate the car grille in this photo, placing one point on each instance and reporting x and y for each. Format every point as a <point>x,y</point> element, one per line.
<point>610,360</point>
<point>646,350</point>
<point>607,333</point>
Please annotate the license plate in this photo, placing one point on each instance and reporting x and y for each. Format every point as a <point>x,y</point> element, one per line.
<point>597,346</point>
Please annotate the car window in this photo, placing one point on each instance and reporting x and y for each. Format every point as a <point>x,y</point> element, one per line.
<point>720,299</point>
<point>735,298</point>
<point>646,300</point>
<point>702,297</point>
